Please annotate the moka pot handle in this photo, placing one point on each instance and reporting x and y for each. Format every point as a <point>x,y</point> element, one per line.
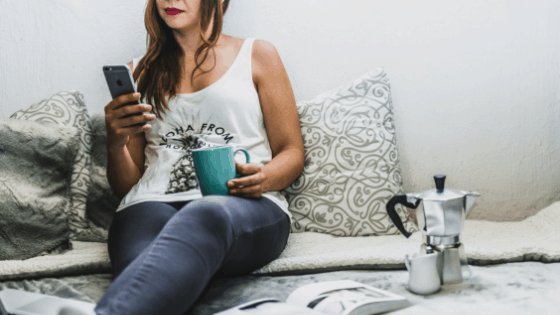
<point>394,216</point>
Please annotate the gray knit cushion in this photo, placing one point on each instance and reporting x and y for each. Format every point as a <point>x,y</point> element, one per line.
<point>351,161</point>
<point>69,109</point>
<point>36,164</point>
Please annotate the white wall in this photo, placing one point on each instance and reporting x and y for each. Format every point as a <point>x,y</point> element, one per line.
<point>55,45</point>
<point>474,83</point>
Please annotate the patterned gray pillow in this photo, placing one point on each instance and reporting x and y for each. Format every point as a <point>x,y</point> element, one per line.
<point>102,201</point>
<point>351,161</point>
<point>69,109</point>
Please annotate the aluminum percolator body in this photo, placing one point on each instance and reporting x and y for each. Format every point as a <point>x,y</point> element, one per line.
<point>442,213</point>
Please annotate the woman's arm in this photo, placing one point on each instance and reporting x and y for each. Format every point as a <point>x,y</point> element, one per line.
<point>125,163</point>
<point>281,120</point>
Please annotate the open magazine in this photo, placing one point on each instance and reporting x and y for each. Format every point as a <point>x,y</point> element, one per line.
<point>343,297</point>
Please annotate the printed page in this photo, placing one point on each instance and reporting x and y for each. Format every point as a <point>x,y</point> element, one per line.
<point>308,293</point>
<point>279,308</point>
<point>343,297</point>
<point>343,302</point>
<point>268,307</point>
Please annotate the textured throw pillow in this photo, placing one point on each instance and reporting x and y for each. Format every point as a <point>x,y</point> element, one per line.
<point>69,109</point>
<point>102,200</point>
<point>351,161</point>
<point>36,162</point>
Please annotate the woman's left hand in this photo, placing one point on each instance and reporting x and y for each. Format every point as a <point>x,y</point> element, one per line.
<point>251,182</point>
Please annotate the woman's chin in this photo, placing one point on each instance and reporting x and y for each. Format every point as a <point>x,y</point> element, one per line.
<point>178,26</point>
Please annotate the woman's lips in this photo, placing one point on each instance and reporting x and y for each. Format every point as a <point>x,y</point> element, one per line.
<point>173,12</point>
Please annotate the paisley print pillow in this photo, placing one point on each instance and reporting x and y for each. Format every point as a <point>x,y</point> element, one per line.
<point>351,161</point>
<point>69,109</point>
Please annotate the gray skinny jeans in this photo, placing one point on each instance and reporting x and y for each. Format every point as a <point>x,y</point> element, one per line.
<point>164,254</point>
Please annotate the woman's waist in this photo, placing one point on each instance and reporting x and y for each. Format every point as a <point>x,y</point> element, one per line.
<point>164,156</point>
<point>137,195</point>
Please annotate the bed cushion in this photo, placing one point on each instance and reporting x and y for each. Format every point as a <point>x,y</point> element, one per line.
<point>351,161</point>
<point>36,169</point>
<point>486,243</point>
<point>68,108</point>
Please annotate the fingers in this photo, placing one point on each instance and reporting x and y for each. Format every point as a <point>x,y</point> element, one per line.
<point>247,168</point>
<point>251,186</point>
<point>247,181</point>
<point>248,192</point>
<point>125,105</point>
<point>121,100</point>
<point>122,113</point>
<point>251,174</point>
<point>133,114</point>
<point>129,130</point>
<point>125,122</point>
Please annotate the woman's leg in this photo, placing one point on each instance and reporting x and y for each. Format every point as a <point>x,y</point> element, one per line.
<point>133,229</point>
<point>261,234</point>
<point>215,233</point>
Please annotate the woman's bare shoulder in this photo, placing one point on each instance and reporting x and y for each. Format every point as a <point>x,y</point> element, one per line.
<point>264,50</point>
<point>265,59</point>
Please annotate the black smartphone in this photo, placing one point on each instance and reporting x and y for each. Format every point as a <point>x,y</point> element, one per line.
<point>120,82</point>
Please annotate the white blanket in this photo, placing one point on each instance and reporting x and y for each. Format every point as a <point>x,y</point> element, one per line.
<point>533,239</point>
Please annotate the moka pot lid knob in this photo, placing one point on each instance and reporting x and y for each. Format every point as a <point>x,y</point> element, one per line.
<point>440,193</point>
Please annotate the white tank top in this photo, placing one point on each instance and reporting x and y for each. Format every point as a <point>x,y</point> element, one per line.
<point>228,112</point>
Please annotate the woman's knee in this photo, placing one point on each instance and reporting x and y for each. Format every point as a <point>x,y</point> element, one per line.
<point>209,209</point>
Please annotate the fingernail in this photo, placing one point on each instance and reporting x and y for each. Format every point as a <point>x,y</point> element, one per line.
<point>137,94</point>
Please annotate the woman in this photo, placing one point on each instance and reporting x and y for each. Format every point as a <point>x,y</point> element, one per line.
<point>166,241</point>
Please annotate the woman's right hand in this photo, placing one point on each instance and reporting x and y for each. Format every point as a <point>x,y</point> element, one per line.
<point>118,130</point>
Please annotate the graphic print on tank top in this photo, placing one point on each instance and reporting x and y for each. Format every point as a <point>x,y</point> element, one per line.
<point>186,138</point>
<point>182,176</point>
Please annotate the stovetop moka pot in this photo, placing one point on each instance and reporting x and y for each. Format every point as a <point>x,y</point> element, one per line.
<point>440,218</point>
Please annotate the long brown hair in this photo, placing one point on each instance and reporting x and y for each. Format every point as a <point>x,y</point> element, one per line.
<point>159,72</point>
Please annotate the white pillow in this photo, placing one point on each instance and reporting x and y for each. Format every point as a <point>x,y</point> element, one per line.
<point>351,161</point>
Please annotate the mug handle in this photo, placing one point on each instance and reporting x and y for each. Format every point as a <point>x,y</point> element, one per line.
<point>247,159</point>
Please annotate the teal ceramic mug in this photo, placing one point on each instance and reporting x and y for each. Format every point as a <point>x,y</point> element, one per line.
<point>214,167</point>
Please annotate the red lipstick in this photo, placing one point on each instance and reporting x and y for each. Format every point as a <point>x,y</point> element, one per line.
<point>173,11</point>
